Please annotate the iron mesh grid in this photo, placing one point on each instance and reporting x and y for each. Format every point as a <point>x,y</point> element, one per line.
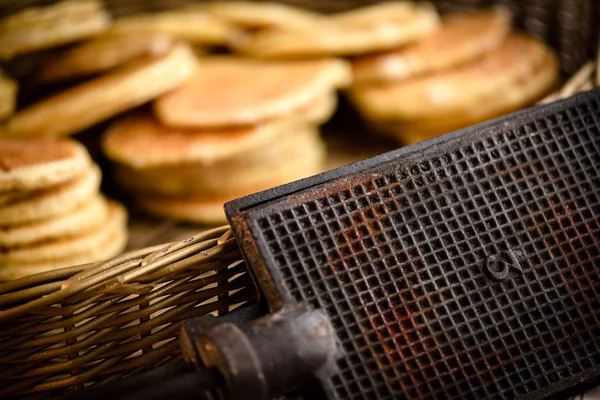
<point>466,269</point>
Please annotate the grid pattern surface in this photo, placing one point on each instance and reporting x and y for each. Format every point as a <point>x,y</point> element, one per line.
<point>472,272</point>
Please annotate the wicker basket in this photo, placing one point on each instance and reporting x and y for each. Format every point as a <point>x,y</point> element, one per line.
<point>69,329</point>
<point>77,326</point>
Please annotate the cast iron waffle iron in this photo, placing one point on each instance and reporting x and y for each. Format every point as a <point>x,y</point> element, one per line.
<point>463,267</point>
<point>467,266</point>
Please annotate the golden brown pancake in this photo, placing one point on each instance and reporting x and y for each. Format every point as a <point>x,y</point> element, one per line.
<point>8,96</point>
<point>112,245</point>
<point>139,141</point>
<point>373,28</point>
<point>459,88</point>
<point>245,171</point>
<point>51,201</point>
<point>103,53</point>
<point>104,242</point>
<point>67,246</point>
<point>385,10</point>
<point>319,110</point>
<point>83,218</point>
<point>27,165</point>
<point>91,102</point>
<point>524,91</point>
<point>261,15</point>
<point>192,209</point>
<point>228,91</point>
<point>461,38</point>
<point>208,209</point>
<point>39,28</point>
<point>193,26</point>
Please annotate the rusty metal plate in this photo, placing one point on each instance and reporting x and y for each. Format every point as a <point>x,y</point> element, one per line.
<point>463,267</point>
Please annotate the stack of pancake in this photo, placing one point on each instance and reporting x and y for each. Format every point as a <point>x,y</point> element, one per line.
<point>109,69</point>
<point>51,212</point>
<point>236,127</point>
<point>473,68</point>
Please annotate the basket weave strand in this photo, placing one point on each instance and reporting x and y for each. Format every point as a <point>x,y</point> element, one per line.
<point>68,329</point>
